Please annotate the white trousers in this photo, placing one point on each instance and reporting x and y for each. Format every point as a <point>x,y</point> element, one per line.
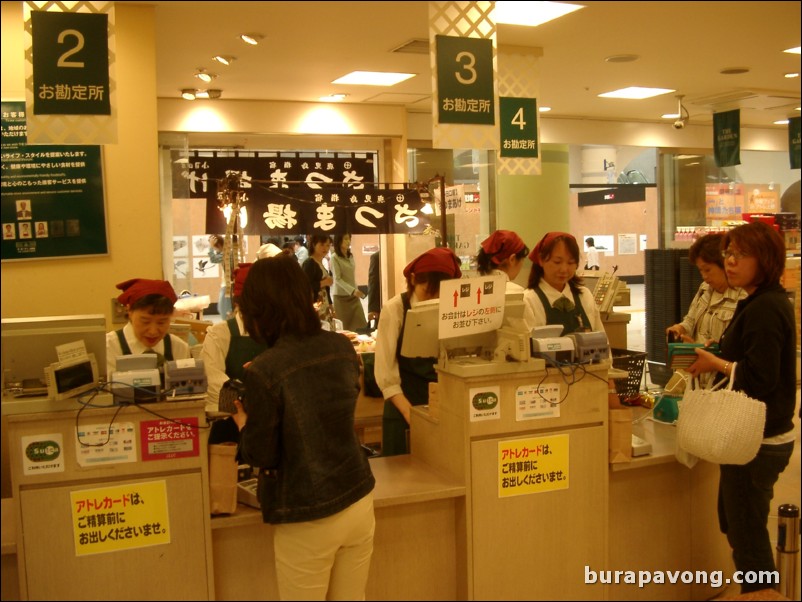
<point>328,558</point>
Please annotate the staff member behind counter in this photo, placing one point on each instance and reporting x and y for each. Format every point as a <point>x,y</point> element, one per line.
<point>554,291</point>
<point>404,381</point>
<point>150,306</point>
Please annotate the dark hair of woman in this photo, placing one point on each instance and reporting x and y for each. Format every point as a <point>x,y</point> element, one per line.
<point>276,300</point>
<point>316,239</point>
<point>432,281</point>
<point>590,242</point>
<point>708,249</point>
<point>536,273</point>
<point>484,261</point>
<point>158,305</point>
<point>338,241</point>
<point>763,242</point>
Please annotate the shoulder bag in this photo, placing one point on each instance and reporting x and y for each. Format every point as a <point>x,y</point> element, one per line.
<point>720,425</point>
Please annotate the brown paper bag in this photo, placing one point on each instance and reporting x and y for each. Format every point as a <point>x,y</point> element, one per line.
<point>620,425</point>
<point>223,478</point>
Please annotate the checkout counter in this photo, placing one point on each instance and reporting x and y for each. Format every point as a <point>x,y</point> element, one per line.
<point>507,494</point>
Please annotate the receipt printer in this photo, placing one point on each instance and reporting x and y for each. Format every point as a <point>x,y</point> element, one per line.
<point>590,347</point>
<point>184,377</point>
<point>557,349</point>
<point>136,386</point>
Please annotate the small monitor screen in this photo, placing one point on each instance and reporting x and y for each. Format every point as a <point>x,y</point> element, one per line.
<point>72,377</point>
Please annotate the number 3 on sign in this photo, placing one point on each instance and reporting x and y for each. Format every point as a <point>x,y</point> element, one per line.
<point>469,65</point>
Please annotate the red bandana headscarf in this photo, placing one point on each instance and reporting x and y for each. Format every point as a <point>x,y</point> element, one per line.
<point>546,242</point>
<point>136,288</point>
<point>501,245</point>
<point>439,259</point>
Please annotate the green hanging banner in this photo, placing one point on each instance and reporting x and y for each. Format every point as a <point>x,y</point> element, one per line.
<point>793,141</point>
<point>727,138</point>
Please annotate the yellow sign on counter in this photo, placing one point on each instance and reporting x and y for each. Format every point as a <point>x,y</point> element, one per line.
<point>124,517</point>
<point>533,465</point>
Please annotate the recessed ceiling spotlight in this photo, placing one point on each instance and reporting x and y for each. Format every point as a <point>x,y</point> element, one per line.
<point>781,122</point>
<point>734,70</point>
<point>224,59</point>
<point>251,38</point>
<point>543,109</point>
<point>204,75</point>
<point>621,58</point>
<point>333,98</point>
<point>794,50</point>
<point>791,75</point>
<point>188,94</point>
<point>211,93</point>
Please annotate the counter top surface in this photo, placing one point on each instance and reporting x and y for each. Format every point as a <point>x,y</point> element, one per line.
<point>399,480</point>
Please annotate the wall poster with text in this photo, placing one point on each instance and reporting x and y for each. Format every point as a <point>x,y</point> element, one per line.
<point>52,203</point>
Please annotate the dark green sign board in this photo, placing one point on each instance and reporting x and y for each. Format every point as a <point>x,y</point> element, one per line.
<point>465,80</point>
<point>518,127</point>
<point>52,195</point>
<point>793,141</point>
<point>727,138</point>
<point>70,63</point>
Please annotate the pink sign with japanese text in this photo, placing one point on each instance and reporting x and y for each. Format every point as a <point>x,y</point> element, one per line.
<point>168,439</point>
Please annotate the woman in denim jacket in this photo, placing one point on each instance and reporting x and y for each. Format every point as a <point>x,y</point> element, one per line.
<point>297,423</point>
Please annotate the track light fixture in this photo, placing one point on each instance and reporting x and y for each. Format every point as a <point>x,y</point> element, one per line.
<point>251,38</point>
<point>204,75</point>
<point>682,114</point>
<point>224,59</point>
<point>188,94</point>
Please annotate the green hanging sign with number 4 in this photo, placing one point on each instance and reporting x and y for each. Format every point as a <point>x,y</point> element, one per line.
<point>518,127</point>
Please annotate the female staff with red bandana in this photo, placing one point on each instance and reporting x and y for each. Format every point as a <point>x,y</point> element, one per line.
<point>503,253</point>
<point>404,381</point>
<point>149,304</point>
<point>554,291</point>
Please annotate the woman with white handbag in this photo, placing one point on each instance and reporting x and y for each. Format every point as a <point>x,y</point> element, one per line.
<point>758,351</point>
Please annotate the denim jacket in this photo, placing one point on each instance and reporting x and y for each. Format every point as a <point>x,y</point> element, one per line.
<point>300,399</point>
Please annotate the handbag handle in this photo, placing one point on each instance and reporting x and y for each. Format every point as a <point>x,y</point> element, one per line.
<point>731,377</point>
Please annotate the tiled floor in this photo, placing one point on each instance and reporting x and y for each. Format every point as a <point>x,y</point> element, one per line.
<point>787,490</point>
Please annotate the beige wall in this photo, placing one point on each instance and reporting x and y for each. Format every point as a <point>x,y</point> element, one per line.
<point>131,176</point>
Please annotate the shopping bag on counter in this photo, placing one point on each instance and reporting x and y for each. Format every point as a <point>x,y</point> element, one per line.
<point>619,422</point>
<point>223,478</point>
<point>720,425</point>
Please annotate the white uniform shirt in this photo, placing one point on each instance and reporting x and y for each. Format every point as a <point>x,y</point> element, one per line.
<point>113,347</point>
<point>386,369</point>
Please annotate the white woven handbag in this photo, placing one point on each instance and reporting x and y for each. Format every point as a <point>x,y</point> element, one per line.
<point>720,425</point>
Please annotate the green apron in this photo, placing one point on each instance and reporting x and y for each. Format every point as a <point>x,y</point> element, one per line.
<point>241,349</point>
<point>575,320</point>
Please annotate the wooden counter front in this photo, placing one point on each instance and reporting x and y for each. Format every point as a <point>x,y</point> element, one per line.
<point>414,547</point>
<point>663,518</point>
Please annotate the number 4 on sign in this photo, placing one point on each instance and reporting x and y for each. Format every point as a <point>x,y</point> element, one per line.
<point>519,119</point>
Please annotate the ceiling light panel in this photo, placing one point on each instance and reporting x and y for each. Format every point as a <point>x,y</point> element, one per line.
<point>636,93</point>
<point>373,78</point>
<point>531,14</point>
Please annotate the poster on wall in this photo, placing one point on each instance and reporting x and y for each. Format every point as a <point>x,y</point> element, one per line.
<point>52,203</point>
